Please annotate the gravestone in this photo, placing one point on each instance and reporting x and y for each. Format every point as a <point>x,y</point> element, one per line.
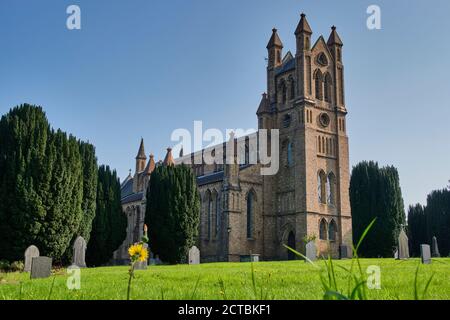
<point>403,247</point>
<point>435,249</point>
<point>396,254</point>
<point>79,252</point>
<point>311,251</point>
<point>345,252</point>
<point>30,253</point>
<point>194,255</point>
<point>142,265</point>
<point>41,267</point>
<point>157,260</point>
<point>425,253</point>
<point>254,257</point>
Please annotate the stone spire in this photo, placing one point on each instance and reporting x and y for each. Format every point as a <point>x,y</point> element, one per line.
<point>168,160</point>
<point>150,165</point>
<point>140,158</point>
<point>141,152</point>
<point>303,26</point>
<point>274,48</point>
<point>334,38</point>
<point>274,40</point>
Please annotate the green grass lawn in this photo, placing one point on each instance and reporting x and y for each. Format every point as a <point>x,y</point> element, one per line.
<point>274,280</point>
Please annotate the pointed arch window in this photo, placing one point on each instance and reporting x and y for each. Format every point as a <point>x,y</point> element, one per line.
<point>217,213</point>
<point>292,89</point>
<point>290,158</point>
<point>250,214</point>
<point>328,86</point>
<point>331,189</point>
<point>321,185</point>
<point>209,213</point>
<point>332,231</point>
<point>319,84</point>
<point>323,230</point>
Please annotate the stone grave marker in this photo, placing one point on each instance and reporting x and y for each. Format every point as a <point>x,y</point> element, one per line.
<point>403,247</point>
<point>194,255</point>
<point>31,252</point>
<point>311,251</point>
<point>41,267</point>
<point>79,252</point>
<point>434,248</point>
<point>425,253</point>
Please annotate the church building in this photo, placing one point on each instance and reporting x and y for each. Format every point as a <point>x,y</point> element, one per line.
<point>245,213</point>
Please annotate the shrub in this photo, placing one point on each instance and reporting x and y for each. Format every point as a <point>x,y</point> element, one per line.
<point>16,266</point>
<point>4,265</point>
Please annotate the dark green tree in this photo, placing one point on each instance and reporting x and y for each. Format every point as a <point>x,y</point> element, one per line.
<point>375,193</point>
<point>172,212</point>
<point>417,228</point>
<point>41,185</point>
<point>109,225</point>
<point>437,214</point>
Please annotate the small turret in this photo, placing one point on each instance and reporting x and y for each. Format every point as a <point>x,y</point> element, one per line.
<point>303,34</point>
<point>274,48</point>
<point>140,158</point>
<point>168,160</point>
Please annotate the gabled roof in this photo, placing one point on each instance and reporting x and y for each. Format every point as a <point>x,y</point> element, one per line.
<point>287,57</point>
<point>263,105</point>
<point>274,40</point>
<point>325,46</point>
<point>303,25</point>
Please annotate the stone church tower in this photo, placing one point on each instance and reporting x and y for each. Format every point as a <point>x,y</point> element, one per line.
<point>305,100</point>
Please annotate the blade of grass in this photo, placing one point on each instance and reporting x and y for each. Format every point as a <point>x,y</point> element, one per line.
<point>195,288</point>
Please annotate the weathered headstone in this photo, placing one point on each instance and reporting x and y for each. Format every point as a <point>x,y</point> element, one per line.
<point>403,246</point>
<point>194,255</point>
<point>396,254</point>
<point>30,253</point>
<point>142,265</point>
<point>345,252</point>
<point>79,252</point>
<point>311,251</point>
<point>434,249</point>
<point>425,253</point>
<point>41,267</point>
<point>254,257</point>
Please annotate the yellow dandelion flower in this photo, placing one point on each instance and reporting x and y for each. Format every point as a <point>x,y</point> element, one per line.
<point>132,250</point>
<point>143,255</point>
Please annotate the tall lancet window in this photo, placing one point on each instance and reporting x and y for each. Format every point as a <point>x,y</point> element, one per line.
<point>328,87</point>
<point>250,214</point>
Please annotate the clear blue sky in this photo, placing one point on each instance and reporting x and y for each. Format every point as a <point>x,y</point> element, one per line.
<point>143,68</point>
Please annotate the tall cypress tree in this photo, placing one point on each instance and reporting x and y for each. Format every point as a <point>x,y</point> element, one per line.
<point>417,228</point>
<point>40,185</point>
<point>172,212</point>
<point>437,214</point>
<point>376,193</point>
<point>109,225</point>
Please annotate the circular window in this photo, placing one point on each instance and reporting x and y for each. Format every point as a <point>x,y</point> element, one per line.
<point>322,59</point>
<point>324,119</point>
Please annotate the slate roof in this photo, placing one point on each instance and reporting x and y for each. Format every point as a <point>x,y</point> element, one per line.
<point>127,188</point>
<point>289,65</point>
<point>133,197</point>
